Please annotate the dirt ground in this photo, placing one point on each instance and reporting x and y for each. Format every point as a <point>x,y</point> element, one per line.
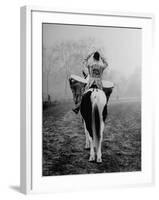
<point>64,140</point>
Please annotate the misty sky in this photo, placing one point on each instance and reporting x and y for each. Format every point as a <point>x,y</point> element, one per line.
<point>122,45</point>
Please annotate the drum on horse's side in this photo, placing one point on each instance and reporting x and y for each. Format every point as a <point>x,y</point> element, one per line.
<point>107,88</point>
<point>77,85</point>
<point>77,79</point>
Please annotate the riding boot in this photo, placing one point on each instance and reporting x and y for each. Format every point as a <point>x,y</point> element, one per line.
<point>76,110</point>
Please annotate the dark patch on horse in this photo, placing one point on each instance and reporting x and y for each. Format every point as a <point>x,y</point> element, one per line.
<point>105,113</point>
<point>86,111</point>
<point>96,121</point>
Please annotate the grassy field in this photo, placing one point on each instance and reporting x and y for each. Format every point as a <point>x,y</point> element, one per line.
<point>64,140</point>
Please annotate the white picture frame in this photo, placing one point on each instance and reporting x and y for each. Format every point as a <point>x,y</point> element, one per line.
<point>31,106</point>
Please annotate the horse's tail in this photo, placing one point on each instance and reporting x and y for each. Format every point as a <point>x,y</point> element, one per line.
<point>96,124</point>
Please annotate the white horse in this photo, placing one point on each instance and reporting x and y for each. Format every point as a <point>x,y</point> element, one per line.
<point>93,108</point>
<point>94,112</point>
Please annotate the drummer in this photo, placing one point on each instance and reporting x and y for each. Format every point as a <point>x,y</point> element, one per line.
<point>95,65</point>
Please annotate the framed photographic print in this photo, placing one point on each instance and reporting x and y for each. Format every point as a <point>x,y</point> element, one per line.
<point>86,100</point>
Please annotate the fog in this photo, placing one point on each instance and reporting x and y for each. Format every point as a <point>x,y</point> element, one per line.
<point>66,46</point>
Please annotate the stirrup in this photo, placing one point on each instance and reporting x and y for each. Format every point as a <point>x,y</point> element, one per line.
<point>75,110</point>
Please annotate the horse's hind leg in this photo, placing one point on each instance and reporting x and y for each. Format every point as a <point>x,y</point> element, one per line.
<point>87,144</point>
<point>92,153</point>
<point>99,154</point>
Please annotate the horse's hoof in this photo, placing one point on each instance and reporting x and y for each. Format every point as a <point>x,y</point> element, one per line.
<point>87,146</point>
<point>99,160</point>
<point>92,158</point>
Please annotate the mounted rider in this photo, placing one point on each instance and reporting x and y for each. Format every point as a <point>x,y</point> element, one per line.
<point>95,65</point>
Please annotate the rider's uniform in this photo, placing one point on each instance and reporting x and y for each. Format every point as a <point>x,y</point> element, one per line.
<point>95,70</point>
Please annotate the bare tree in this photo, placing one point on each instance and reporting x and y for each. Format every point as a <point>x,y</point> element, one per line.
<point>49,62</point>
<point>61,60</point>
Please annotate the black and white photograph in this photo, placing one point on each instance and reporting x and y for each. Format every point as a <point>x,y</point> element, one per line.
<point>91,98</point>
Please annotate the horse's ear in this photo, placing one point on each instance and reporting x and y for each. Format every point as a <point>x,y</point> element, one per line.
<point>84,74</point>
